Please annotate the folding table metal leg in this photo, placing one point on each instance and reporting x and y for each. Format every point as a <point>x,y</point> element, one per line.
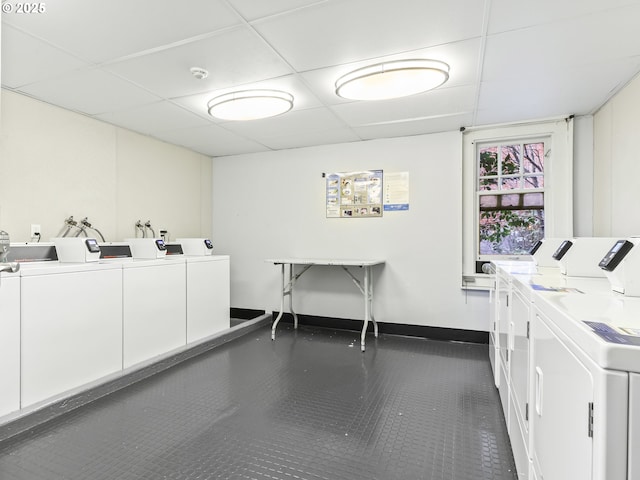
<point>367,292</point>
<point>287,289</point>
<point>292,280</point>
<point>284,292</point>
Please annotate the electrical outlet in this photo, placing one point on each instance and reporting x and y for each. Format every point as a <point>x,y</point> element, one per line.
<point>35,230</point>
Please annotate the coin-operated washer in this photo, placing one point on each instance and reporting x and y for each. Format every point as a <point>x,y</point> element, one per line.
<point>621,265</point>
<point>71,318</point>
<point>208,293</point>
<point>579,257</point>
<point>9,329</point>
<point>147,248</point>
<point>542,252</point>
<point>77,249</point>
<point>196,246</point>
<point>154,301</point>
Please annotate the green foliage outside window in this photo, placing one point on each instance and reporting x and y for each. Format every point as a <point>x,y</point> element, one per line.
<point>513,229</point>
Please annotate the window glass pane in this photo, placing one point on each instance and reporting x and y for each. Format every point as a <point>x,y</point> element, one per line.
<point>488,164</point>
<point>533,200</point>
<point>510,232</point>
<point>488,201</point>
<point>511,183</point>
<point>534,181</point>
<point>488,184</point>
<point>510,159</point>
<point>510,223</point>
<point>533,157</point>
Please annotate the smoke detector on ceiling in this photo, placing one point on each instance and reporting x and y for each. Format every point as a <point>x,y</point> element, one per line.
<point>199,73</point>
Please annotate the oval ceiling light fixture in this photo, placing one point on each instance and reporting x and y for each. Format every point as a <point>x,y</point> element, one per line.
<point>399,78</point>
<point>250,104</point>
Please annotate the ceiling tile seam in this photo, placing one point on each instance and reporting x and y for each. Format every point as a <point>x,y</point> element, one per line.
<point>296,74</point>
<point>92,116</point>
<point>479,68</point>
<point>87,68</point>
<point>53,45</point>
<point>413,119</point>
<point>287,12</point>
<point>222,126</point>
<point>169,46</point>
<point>561,20</point>
<point>254,140</point>
<point>88,64</point>
<point>99,116</point>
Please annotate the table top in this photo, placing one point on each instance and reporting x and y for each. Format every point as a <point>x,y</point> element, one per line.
<point>325,261</point>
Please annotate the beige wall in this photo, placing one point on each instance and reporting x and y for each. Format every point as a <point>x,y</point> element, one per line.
<point>616,190</point>
<point>55,163</point>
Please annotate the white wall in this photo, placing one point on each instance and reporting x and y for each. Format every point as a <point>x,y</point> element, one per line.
<point>269,205</point>
<point>617,164</point>
<point>583,176</point>
<point>55,163</point>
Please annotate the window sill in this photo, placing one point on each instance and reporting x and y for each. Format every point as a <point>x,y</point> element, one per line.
<point>478,281</point>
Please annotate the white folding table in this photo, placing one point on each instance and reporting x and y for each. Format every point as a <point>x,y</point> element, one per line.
<point>365,286</point>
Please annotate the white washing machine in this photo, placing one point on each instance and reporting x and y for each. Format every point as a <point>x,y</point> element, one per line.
<point>71,317</point>
<point>634,427</point>
<point>9,342</point>
<point>154,308</point>
<point>208,296</point>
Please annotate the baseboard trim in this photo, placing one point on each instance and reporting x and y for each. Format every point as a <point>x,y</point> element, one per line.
<point>423,331</point>
<point>246,313</point>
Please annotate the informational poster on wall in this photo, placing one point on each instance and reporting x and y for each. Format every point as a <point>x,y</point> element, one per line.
<point>396,191</point>
<point>354,194</point>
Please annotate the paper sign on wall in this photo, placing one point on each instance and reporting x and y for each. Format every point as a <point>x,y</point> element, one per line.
<point>396,191</point>
<point>354,194</point>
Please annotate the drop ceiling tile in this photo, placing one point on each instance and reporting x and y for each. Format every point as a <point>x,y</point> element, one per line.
<point>89,91</point>
<point>543,50</point>
<point>508,15</point>
<point>433,104</point>
<point>213,140</point>
<point>234,57</point>
<point>97,30</point>
<point>292,123</point>
<point>445,123</point>
<point>462,58</point>
<point>252,10</point>
<point>334,33</point>
<point>307,139</point>
<point>156,117</point>
<point>565,93</point>
<point>26,59</point>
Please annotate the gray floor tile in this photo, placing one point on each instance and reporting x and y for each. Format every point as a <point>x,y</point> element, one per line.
<point>308,406</point>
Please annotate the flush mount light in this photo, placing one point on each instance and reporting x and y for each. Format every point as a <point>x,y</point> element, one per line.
<point>395,79</point>
<point>250,104</point>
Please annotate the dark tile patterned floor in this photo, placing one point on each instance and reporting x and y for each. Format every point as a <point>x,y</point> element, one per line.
<point>309,406</point>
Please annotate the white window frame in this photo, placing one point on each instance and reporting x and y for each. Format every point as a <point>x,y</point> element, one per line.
<point>558,181</point>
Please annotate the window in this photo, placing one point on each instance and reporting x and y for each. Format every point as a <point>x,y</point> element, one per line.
<point>510,190</point>
<point>517,188</point>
